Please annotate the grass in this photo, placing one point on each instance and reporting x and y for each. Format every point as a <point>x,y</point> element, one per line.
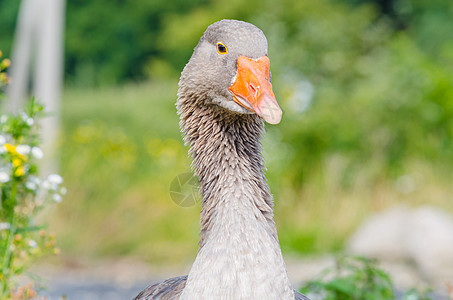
<point>121,147</point>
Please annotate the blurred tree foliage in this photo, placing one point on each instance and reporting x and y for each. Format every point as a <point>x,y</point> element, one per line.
<point>113,41</point>
<point>106,41</point>
<point>380,96</point>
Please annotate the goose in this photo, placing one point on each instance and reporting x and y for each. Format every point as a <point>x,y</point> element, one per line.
<point>224,95</point>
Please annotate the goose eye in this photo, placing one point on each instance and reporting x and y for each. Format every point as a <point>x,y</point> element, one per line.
<point>221,48</point>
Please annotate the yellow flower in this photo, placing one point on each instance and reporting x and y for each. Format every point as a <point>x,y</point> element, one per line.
<point>20,171</point>
<point>10,148</point>
<point>5,63</point>
<point>16,162</point>
<point>17,157</point>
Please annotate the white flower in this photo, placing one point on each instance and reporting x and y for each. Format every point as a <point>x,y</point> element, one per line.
<point>31,185</point>
<point>3,119</point>
<point>4,225</point>
<point>23,149</point>
<point>37,152</point>
<point>57,198</point>
<point>2,149</point>
<point>34,179</point>
<point>2,140</point>
<point>4,177</point>
<point>55,179</point>
<point>48,186</point>
<point>32,243</point>
<point>24,116</point>
<point>63,191</point>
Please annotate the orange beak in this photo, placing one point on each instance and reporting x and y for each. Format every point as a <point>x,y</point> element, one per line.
<point>252,89</point>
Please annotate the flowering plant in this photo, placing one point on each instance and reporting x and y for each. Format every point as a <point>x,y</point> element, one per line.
<point>22,195</point>
<point>4,64</point>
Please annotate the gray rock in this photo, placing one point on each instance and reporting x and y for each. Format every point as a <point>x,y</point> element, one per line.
<point>430,243</point>
<point>423,236</point>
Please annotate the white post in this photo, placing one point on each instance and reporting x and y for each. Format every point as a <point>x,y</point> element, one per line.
<point>48,74</point>
<point>39,39</point>
<point>26,32</point>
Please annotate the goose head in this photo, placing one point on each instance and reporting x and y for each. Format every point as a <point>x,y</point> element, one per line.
<point>230,69</point>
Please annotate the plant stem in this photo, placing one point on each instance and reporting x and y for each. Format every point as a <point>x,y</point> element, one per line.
<point>7,258</point>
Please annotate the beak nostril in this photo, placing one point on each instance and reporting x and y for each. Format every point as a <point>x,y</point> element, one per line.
<point>255,90</point>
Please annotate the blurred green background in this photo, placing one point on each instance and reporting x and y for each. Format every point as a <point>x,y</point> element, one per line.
<point>366,90</point>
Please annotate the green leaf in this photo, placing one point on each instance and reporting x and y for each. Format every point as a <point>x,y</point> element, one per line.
<point>30,229</point>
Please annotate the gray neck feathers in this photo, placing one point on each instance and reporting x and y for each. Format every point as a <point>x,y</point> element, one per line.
<point>239,255</point>
<point>226,152</point>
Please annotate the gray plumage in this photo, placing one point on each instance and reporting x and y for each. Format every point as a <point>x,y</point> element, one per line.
<point>167,289</point>
<point>239,255</point>
<point>171,289</point>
